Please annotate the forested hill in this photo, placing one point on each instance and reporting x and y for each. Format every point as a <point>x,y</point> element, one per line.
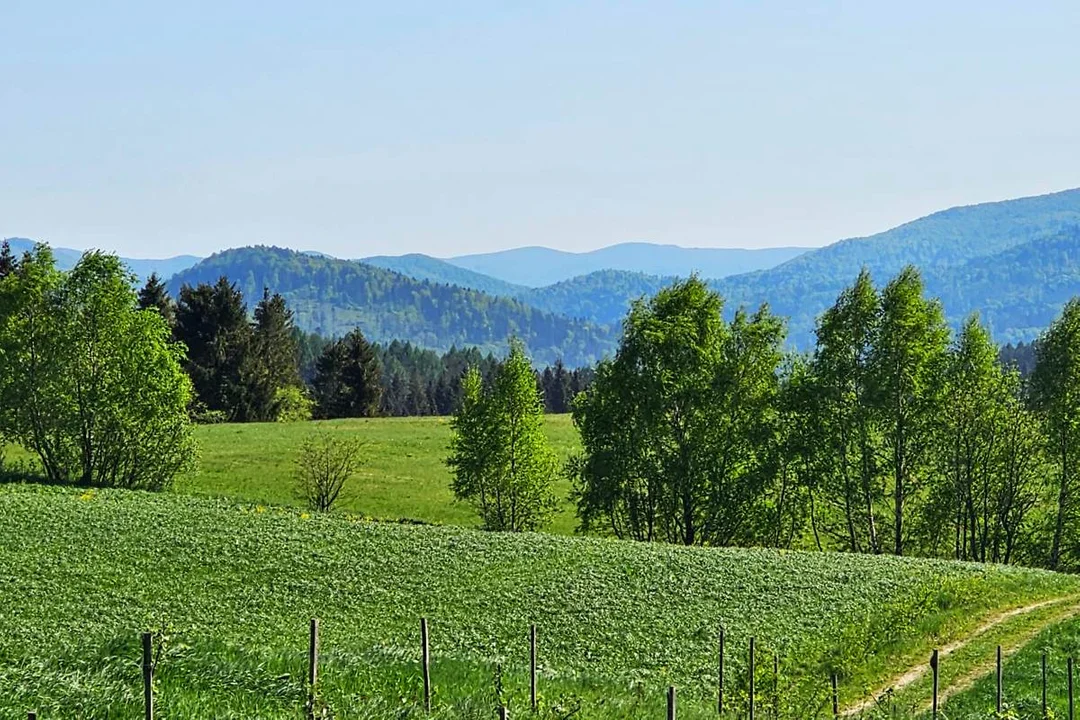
<point>602,296</point>
<point>331,297</point>
<point>979,257</point>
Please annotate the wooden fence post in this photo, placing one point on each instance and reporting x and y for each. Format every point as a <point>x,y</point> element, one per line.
<point>425,649</point>
<point>1070,667</point>
<point>148,675</point>
<point>671,702</point>
<point>720,677</point>
<point>751,677</point>
<point>998,705</point>
<point>532,666</point>
<point>835,698</point>
<point>313,665</point>
<point>934,667</point>
<point>776,686</point>
<point>1044,686</point>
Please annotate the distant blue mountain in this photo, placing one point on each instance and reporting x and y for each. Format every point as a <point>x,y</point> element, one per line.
<point>66,259</point>
<point>539,266</point>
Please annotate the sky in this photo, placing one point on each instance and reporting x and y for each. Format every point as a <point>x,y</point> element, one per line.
<point>356,128</point>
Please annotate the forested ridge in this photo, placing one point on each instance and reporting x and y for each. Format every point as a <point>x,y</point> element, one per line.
<point>331,297</point>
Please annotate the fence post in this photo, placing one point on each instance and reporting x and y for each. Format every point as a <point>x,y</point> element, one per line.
<point>532,666</point>
<point>671,702</point>
<point>148,675</point>
<point>835,698</point>
<point>751,677</point>
<point>313,665</point>
<point>934,667</point>
<point>999,679</point>
<point>425,649</point>
<point>1044,686</point>
<point>776,686</point>
<point>1070,689</point>
<point>720,677</point>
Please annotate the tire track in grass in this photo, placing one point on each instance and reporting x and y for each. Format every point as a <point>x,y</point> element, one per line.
<point>917,672</point>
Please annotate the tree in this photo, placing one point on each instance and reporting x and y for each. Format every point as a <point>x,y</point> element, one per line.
<point>89,382</point>
<point>155,296</point>
<point>347,378</point>
<point>276,361</point>
<point>8,261</point>
<point>906,366</point>
<point>212,322</point>
<point>677,430</point>
<point>1055,386</point>
<point>849,444</point>
<point>501,460</point>
<point>323,467</point>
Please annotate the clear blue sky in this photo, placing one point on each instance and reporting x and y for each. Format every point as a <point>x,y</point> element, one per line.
<point>358,128</point>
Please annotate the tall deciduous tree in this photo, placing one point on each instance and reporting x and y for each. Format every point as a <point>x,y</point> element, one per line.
<point>501,460</point>
<point>850,442</point>
<point>347,378</point>
<point>89,382</point>
<point>678,428</point>
<point>907,364</point>
<point>1056,392</point>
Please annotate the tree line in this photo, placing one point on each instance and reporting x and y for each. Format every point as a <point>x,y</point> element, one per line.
<point>259,367</point>
<point>891,436</point>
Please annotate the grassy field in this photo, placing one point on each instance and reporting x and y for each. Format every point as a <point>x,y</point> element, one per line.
<point>233,586</point>
<point>404,475</point>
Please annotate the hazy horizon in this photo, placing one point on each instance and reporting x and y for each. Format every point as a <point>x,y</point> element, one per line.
<point>360,129</point>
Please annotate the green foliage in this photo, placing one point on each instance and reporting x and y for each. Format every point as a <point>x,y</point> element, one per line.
<point>293,404</point>
<point>325,464</point>
<point>906,367</point>
<point>234,586</point>
<point>501,461</point>
<point>88,382</point>
<point>347,378</point>
<point>1056,393</point>
<point>677,429</point>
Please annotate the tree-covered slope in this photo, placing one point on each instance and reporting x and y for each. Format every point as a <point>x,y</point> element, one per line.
<point>1018,291</point>
<point>938,244</point>
<point>425,267</point>
<point>331,297</point>
<point>540,266</point>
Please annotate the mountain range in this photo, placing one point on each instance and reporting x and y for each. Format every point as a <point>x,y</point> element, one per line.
<point>1016,262</point>
<point>66,259</point>
<point>541,266</point>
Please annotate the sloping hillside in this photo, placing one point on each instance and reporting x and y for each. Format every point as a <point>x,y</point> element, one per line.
<point>332,296</point>
<point>940,245</point>
<point>539,266</point>
<point>425,267</point>
<point>233,587</point>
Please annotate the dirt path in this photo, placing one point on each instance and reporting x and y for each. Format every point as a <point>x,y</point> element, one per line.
<point>913,674</point>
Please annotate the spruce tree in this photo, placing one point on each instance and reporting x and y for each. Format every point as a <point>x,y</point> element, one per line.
<point>348,378</point>
<point>155,296</point>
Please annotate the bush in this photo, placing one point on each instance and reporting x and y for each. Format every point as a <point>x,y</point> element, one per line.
<point>324,466</point>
